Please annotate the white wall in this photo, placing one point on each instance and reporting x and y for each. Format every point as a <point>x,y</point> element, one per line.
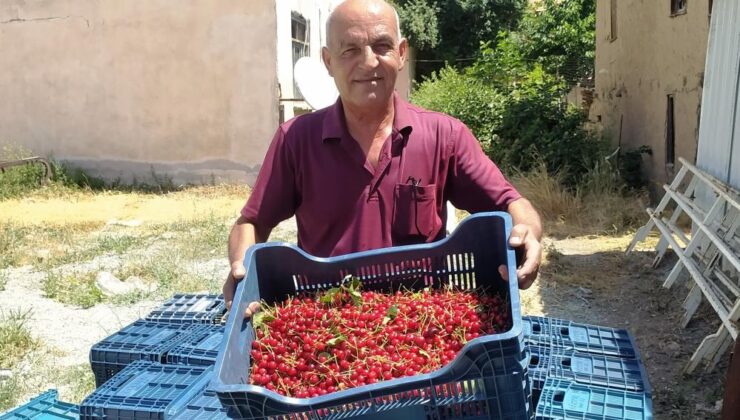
<point>316,12</point>
<point>181,88</point>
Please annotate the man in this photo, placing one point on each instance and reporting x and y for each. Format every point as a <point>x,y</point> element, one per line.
<point>373,171</point>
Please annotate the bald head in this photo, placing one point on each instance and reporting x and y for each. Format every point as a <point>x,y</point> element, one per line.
<point>352,10</point>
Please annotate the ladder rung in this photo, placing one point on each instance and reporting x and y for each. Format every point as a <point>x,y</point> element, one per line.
<point>730,255</point>
<point>731,285</point>
<point>700,280</point>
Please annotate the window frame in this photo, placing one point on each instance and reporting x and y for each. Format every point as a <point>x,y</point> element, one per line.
<point>678,11</point>
<point>612,21</point>
<point>670,132</point>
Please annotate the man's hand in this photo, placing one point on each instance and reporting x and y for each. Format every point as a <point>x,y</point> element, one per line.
<point>242,236</point>
<point>522,238</point>
<point>235,276</point>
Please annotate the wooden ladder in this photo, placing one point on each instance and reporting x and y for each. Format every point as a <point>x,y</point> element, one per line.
<point>709,256</point>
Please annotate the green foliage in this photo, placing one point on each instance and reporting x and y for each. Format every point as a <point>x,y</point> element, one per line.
<point>451,30</point>
<point>10,392</point>
<point>519,119</point>
<point>74,289</point>
<point>536,125</point>
<point>11,239</point>
<point>19,181</point>
<point>630,167</point>
<point>560,36</point>
<point>419,23</point>
<point>73,177</point>
<point>463,96</point>
<point>512,95</point>
<point>15,337</point>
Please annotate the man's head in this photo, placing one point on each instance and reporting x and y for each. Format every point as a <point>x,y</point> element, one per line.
<point>364,52</point>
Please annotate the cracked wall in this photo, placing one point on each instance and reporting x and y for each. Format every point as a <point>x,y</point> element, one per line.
<point>185,89</point>
<point>653,55</point>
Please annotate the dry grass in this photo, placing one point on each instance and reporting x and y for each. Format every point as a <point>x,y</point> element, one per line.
<point>16,344</point>
<point>15,338</point>
<point>598,207</point>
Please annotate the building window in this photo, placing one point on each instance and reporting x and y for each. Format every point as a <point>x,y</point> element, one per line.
<point>300,37</point>
<point>613,20</point>
<point>678,7</point>
<point>670,134</point>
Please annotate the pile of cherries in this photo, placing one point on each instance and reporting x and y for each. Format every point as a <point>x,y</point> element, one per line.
<point>345,337</point>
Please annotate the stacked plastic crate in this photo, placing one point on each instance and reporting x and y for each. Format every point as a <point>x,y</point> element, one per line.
<point>181,363</point>
<point>179,322</point>
<point>159,367</point>
<point>585,371</point>
<point>45,406</point>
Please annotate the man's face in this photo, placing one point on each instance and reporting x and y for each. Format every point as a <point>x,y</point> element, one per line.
<point>364,56</point>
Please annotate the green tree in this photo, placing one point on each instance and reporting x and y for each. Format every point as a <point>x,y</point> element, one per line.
<point>452,30</point>
<point>511,96</point>
<point>560,36</point>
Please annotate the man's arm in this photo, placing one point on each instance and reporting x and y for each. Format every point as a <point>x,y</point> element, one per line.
<point>243,235</point>
<point>526,233</point>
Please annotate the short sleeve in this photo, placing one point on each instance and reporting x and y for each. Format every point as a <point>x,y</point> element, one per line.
<point>274,197</point>
<point>474,182</point>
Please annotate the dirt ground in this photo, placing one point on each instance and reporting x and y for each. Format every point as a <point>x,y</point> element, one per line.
<point>584,279</point>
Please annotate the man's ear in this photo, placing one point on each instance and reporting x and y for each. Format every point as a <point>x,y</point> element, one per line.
<point>403,51</point>
<point>326,58</point>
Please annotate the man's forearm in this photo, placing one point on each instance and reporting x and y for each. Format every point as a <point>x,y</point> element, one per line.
<point>243,235</point>
<point>522,212</point>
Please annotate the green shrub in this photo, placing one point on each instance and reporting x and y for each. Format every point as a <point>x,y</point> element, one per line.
<point>15,337</point>
<point>526,125</point>
<point>463,96</point>
<point>537,126</point>
<point>17,180</point>
<point>630,167</point>
<point>73,289</point>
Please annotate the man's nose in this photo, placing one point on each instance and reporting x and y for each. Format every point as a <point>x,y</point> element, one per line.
<point>369,58</point>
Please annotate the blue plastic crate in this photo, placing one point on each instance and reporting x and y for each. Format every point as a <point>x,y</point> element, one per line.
<point>539,368</point>
<point>190,309</point>
<point>142,340</point>
<point>563,399</point>
<point>45,406</point>
<point>565,334</point>
<point>488,378</point>
<point>597,369</point>
<point>204,406</point>
<point>146,390</point>
<point>199,346</point>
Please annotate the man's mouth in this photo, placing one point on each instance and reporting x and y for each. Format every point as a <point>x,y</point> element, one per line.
<point>369,80</point>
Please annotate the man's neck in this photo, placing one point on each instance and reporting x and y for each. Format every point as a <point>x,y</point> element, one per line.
<point>368,124</point>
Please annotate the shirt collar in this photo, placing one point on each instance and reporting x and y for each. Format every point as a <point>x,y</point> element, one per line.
<point>335,127</point>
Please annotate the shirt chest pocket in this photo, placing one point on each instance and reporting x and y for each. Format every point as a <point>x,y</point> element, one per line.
<point>414,212</point>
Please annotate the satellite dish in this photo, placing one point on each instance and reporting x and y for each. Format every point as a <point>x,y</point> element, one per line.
<point>314,82</point>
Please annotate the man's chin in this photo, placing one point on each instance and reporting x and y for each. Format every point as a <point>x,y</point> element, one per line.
<point>372,98</point>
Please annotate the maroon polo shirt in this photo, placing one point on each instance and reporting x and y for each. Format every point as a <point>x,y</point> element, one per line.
<point>317,171</point>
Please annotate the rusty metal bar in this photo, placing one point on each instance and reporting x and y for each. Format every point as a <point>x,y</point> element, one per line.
<point>29,161</point>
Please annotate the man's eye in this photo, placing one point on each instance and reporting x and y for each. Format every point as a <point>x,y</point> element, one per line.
<point>383,47</point>
<point>349,51</point>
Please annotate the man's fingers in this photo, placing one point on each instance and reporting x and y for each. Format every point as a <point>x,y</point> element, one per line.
<point>525,283</point>
<point>228,290</point>
<point>503,271</point>
<point>518,235</point>
<point>252,309</point>
<point>238,271</point>
<point>235,275</point>
<point>527,273</point>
